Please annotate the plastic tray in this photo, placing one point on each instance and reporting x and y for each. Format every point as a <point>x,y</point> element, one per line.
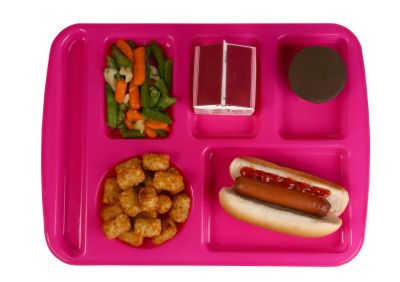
<point>330,140</point>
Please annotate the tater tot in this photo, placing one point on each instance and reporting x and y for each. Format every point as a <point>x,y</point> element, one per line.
<point>155,162</point>
<point>147,227</point>
<point>129,173</point>
<point>170,180</point>
<point>145,199</point>
<point>130,202</point>
<point>109,212</point>
<point>180,208</point>
<point>117,226</point>
<point>168,231</point>
<point>148,199</point>
<point>111,191</point>
<point>131,238</point>
<point>148,181</point>
<point>147,214</point>
<point>165,203</point>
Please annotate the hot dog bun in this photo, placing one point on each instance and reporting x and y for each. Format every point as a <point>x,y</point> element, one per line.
<point>275,218</point>
<point>338,198</point>
<point>278,218</point>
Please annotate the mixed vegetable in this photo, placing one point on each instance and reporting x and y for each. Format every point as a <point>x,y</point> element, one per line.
<point>138,84</point>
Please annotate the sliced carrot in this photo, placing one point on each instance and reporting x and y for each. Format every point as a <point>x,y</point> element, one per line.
<point>120,90</point>
<point>133,115</point>
<point>129,124</point>
<point>139,66</point>
<point>131,86</point>
<point>124,47</point>
<point>155,124</point>
<point>167,129</point>
<point>150,132</point>
<point>134,96</point>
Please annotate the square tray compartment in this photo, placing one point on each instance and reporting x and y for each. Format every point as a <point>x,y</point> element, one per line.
<point>327,163</point>
<point>78,149</point>
<point>166,42</point>
<point>302,119</point>
<point>216,126</point>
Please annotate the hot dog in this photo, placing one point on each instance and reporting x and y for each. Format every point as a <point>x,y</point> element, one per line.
<point>283,199</point>
<point>274,194</point>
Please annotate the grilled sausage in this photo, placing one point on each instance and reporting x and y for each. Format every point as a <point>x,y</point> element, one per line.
<point>274,194</point>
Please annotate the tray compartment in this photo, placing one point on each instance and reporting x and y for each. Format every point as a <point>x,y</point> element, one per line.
<point>75,127</point>
<point>115,251</point>
<point>217,126</point>
<point>328,163</point>
<point>111,172</point>
<point>167,43</point>
<point>302,119</point>
<point>64,125</point>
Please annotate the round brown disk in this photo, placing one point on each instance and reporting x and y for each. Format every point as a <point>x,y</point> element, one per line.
<point>317,74</point>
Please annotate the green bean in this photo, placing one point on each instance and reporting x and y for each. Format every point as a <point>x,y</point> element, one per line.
<point>132,133</point>
<point>108,88</point>
<point>161,133</point>
<point>111,63</point>
<point>123,107</point>
<point>154,97</point>
<point>147,70</point>
<point>151,114</point>
<point>160,85</point>
<point>121,60</point>
<point>145,89</point>
<point>131,44</point>
<point>168,74</point>
<point>112,108</point>
<point>158,54</point>
<point>148,51</point>
<point>165,101</point>
<point>120,118</point>
<point>145,94</point>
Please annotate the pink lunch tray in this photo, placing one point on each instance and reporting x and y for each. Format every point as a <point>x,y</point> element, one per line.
<point>330,140</point>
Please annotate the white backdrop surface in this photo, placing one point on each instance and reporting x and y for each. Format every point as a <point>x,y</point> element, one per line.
<point>27,30</point>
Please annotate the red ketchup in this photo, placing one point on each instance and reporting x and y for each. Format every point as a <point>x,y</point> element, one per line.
<point>284,182</point>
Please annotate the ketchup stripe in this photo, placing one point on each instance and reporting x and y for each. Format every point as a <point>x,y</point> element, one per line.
<point>284,182</point>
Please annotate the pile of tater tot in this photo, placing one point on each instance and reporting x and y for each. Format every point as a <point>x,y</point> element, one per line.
<point>145,199</point>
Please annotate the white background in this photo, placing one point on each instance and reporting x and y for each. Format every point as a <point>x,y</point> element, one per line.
<point>27,30</point>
